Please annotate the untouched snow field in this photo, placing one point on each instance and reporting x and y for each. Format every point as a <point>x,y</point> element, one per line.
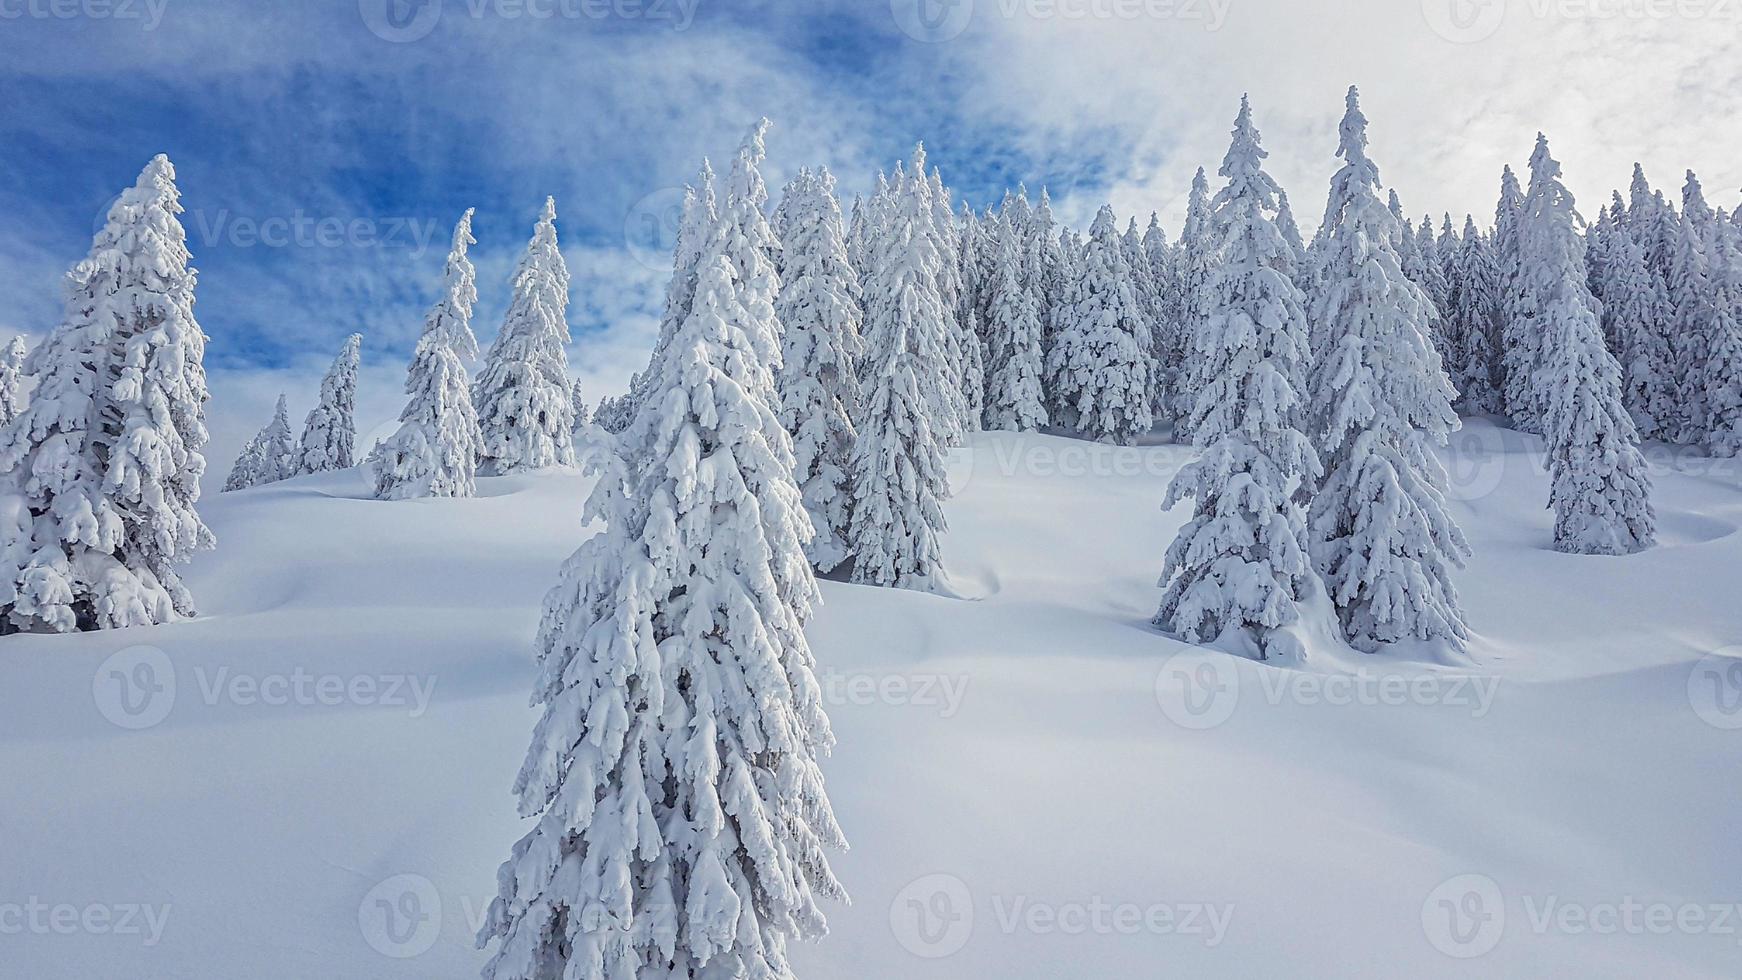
<point>312,780</point>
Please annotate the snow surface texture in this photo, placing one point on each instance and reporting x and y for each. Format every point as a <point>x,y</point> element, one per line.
<point>1005,766</point>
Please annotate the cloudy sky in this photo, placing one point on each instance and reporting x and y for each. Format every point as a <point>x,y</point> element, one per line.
<point>326,147</point>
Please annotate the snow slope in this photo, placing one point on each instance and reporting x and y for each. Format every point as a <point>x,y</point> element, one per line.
<point>1036,784</point>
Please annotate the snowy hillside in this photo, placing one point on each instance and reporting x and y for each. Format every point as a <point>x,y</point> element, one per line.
<point>312,778</point>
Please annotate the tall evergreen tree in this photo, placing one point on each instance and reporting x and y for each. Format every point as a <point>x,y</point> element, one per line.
<point>1723,368</point>
<point>1515,381</point>
<point>329,435</point>
<point>1475,319</point>
<point>1692,328</point>
<point>272,455</point>
<point>683,822</point>
<point>1015,396</point>
<point>103,466</point>
<point>1635,313</point>
<point>1239,569</point>
<point>1599,487</point>
<point>1098,367</point>
<point>1168,354</point>
<point>522,393</point>
<point>897,465</point>
<point>700,209</point>
<point>11,381</point>
<point>1381,535</point>
<point>818,380</point>
<point>435,450</point>
<point>1194,258</point>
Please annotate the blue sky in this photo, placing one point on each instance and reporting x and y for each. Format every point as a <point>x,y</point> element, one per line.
<point>325,147</point>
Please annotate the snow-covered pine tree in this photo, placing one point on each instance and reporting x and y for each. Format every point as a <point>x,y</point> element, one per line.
<point>435,450</point>
<point>1429,272</point>
<point>1285,223</point>
<point>1380,533</point>
<point>578,404</point>
<point>944,282</point>
<point>1475,319</point>
<point>1098,366</point>
<point>1515,392</point>
<point>1045,265</point>
<point>249,466</point>
<point>1599,487</point>
<point>1692,328</point>
<point>11,381</point>
<point>1143,288</point>
<point>329,434</point>
<point>818,380</point>
<point>522,392</point>
<point>1723,368</point>
<point>1635,314</point>
<point>1449,245</point>
<point>683,822</point>
<point>700,209</point>
<point>898,464</point>
<point>964,334</point>
<point>100,473</point>
<point>1239,569</point>
<point>1168,353</point>
<point>970,313</point>
<point>1015,395</point>
<point>1193,261</point>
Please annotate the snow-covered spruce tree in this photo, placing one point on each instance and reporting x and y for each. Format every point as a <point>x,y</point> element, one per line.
<point>1143,287</point>
<point>942,276</point>
<point>1723,367</point>
<point>329,434</point>
<point>1475,323</point>
<point>818,380</point>
<point>434,452</point>
<point>682,819</point>
<point>1430,274</point>
<point>1693,329</point>
<point>1515,350</point>
<point>1044,265</point>
<point>100,473</point>
<point>1098,367</point>
<point>964,337</point>
<point>1285,223</point>
<point>700,209</point>
<point>1194,259</point>
<point>898,462</point>
<point>1168,353</point>
<point>11,381</point>
<point>971,312</point>
<point>750,246</point>
<point>613,413</point>
<point>578,405</point>
<point>1237,572</point>
<point>272,455</point>
<point>1380,533</point>
<point>1015,396</point>
<point>250,464</point>
<point>522,393</point>
<point>1599,487</point>
<point>1635,313</point>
